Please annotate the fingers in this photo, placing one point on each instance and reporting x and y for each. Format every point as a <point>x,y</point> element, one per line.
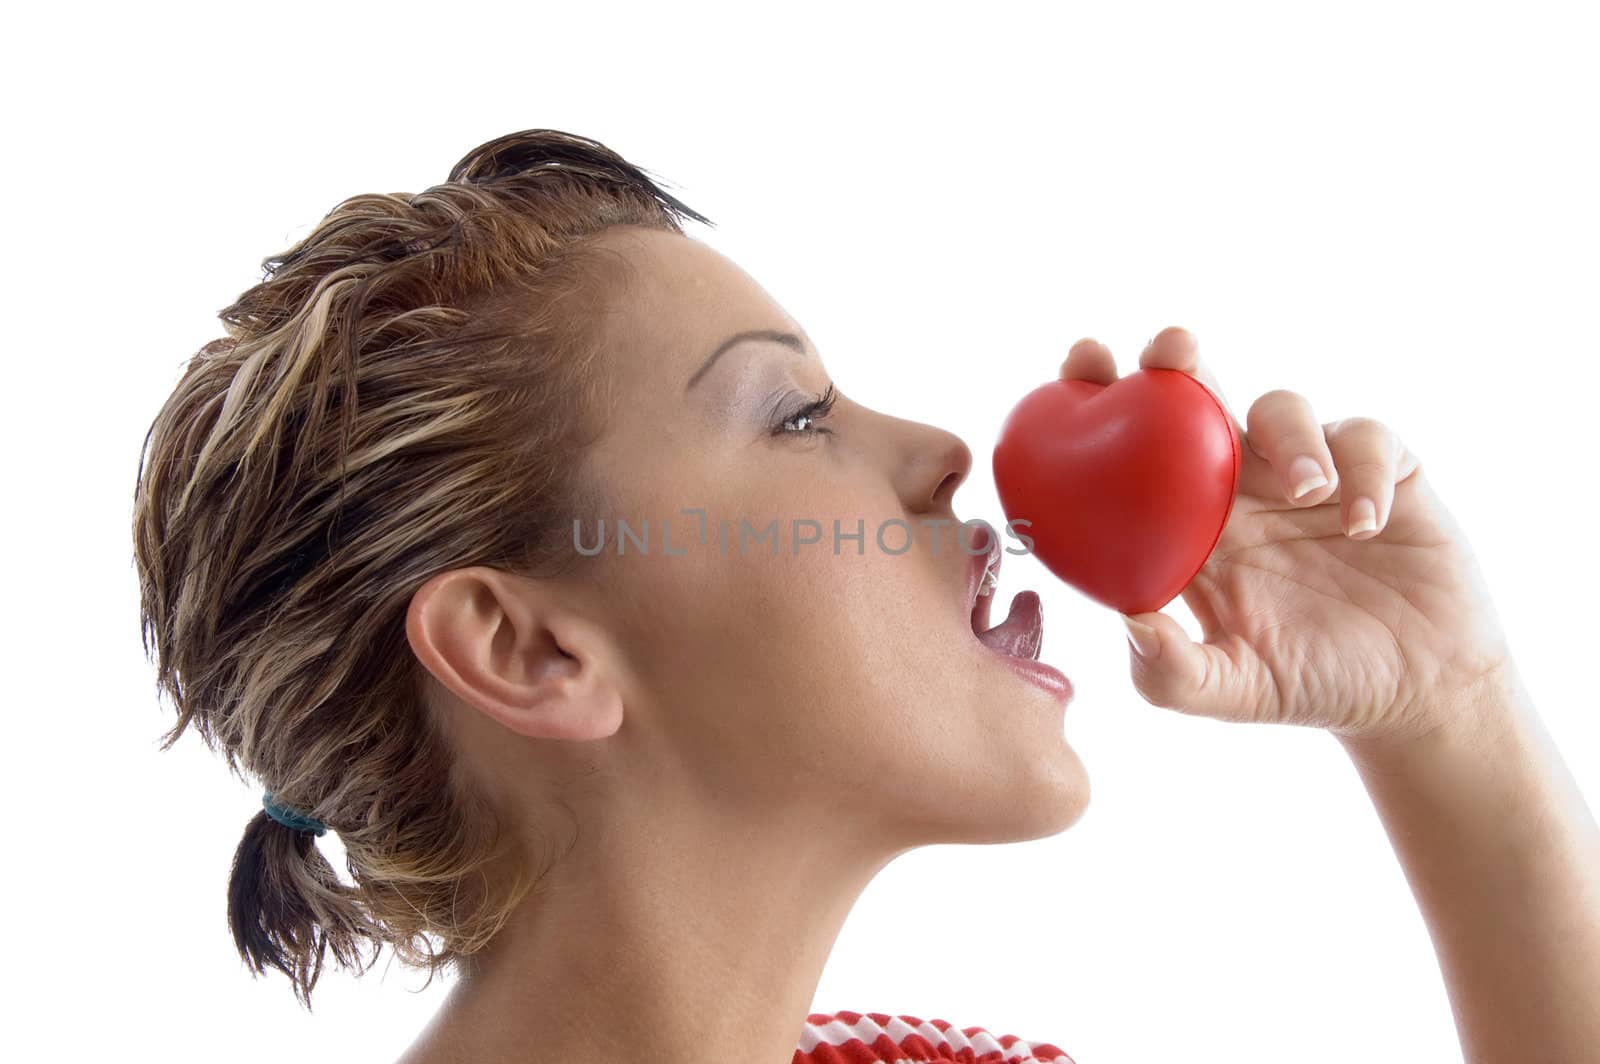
<point>1371,459</point>
<point>1359,457</point>
<point>1172,348</point>
<point>1089,360</point>
<point>1282,428</point>
<point>1176,348</point>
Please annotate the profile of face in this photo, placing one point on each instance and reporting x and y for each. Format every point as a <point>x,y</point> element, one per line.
<point>833,687</point>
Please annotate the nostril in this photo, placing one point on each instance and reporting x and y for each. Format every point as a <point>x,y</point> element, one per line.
<point>947,487</point>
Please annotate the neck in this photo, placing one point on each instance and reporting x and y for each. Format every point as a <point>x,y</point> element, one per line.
<point>699,939</point>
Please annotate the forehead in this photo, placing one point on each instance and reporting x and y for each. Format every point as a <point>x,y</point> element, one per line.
<point>675,300</point>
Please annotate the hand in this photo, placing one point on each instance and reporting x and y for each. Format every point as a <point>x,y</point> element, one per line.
<point>1375,635</point>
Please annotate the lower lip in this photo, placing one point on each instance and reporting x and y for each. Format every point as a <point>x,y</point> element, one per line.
<point>1051,679</point>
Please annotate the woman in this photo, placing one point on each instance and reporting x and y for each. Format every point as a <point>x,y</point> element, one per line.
<point>379,531</point>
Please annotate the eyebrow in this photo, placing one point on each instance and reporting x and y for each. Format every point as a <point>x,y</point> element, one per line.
<point>786,338</point>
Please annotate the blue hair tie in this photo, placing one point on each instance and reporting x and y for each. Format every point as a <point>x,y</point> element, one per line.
<point>290,818</point>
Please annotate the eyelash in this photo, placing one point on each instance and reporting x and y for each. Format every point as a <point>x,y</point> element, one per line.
<point>816,410</point>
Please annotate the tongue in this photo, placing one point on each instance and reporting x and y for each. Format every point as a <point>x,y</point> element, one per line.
<point>1017,635</point>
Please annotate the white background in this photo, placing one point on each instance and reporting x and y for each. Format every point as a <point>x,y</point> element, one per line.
<point>1388,207</point>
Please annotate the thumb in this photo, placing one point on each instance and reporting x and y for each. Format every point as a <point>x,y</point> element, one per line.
<point>1173,671</point>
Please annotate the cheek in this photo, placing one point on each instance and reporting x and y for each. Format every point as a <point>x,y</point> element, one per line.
<point>825,658</point>
<point>787,645</point>
<point>722,622</point>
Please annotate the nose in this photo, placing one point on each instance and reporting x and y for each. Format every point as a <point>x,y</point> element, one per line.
<point>938,463</point>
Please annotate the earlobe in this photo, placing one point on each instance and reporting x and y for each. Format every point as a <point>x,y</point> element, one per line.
<point>509,648</point>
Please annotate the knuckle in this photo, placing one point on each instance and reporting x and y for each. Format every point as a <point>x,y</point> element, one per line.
<point>1359,424</point>
<point>1152,687</point>
<point>1365,476</point>
<point>1276,399</point>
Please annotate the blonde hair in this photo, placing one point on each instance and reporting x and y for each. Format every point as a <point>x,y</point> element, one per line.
<point>408,390</point>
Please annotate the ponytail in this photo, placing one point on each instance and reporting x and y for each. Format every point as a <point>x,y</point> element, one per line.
<point>286,907</point>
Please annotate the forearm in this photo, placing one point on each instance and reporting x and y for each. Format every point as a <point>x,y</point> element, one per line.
<point>1504,859</point>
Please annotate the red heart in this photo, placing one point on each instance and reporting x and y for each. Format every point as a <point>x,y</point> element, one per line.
<point>1127,485</point>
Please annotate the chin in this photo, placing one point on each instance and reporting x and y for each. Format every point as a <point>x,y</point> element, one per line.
<point>1045,800</point>
<point>1053,804</point>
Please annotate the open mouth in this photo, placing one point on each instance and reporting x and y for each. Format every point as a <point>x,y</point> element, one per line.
<point>1021,632</point>
<point>1016,639</point>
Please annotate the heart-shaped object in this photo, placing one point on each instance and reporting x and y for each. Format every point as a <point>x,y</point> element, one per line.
<point>1124,488</point>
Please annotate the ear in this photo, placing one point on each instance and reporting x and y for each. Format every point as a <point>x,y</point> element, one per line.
<point>514,649</point>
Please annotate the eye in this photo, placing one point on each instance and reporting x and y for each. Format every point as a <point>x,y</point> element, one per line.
<point>804,421</point>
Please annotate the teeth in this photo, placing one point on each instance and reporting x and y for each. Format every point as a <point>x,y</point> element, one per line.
<point>991,575</point>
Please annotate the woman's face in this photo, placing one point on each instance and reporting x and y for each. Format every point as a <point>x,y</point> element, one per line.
<point>841,686</point>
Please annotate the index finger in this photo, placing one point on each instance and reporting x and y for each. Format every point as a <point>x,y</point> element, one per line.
<point>1176,348</point>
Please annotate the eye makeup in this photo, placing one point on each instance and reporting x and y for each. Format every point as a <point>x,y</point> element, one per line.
<point>762,393</point>
<point>811,411</point>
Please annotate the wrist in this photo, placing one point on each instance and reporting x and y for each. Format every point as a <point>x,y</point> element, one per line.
<point>1484,714</point>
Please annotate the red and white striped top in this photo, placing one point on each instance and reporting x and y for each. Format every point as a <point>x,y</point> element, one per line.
<point>878,1038</point>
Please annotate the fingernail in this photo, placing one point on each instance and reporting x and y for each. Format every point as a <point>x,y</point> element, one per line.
<point>1305,473</point>
<point>1363,516</point>
<point>1146,643</point>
